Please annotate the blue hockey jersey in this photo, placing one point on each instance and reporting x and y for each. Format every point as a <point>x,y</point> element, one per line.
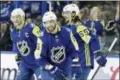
<point>25,43</point>
<point>88,44</point>
<point>95,26</point>
<point>58,50</point>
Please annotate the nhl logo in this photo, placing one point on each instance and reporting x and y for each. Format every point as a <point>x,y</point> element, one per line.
<point>58,54</point>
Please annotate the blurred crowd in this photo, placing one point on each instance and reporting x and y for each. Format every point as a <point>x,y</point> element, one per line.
<point>35,9</point>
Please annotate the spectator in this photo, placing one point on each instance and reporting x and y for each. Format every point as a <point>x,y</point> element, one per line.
<point>113,29</point>
<point>5,41</point>
<point>96,24</point>
<point>85,14</point>
<point>5,8</point>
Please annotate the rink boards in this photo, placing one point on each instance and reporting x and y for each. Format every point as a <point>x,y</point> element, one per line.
<point>109,72</point>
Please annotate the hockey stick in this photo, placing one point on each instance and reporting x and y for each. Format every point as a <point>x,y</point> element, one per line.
<point>110,48</point>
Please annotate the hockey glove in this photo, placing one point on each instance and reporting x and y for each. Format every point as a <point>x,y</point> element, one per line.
<point>101,60</point>
<point>55,71</point>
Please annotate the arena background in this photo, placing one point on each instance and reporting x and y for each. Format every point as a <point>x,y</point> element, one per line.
<point>34,11</point>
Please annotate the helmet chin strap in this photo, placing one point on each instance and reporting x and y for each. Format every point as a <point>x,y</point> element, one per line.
<point>73,17</point>
<point>70,22</point>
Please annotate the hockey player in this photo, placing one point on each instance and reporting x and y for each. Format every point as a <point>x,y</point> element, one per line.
<point>88,43</point>
<point>24,36</point>
<point>58,49</point>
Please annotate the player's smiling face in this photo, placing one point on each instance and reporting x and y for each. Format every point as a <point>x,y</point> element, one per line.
<point>50,26</point>
<point>17,21</point>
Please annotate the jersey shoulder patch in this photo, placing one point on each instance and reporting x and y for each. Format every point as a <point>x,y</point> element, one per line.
<point>36,31</point>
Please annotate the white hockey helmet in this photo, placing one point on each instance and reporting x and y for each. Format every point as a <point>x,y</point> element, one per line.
<point>18,21</point>
<point>71,7</point>
<point>67,8</point>
<point>75,8</point>
<point>18,11</point>
<point>48,16</point>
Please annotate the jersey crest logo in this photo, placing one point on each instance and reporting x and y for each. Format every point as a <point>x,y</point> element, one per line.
<point>58,54</point>
<point>23,48</point>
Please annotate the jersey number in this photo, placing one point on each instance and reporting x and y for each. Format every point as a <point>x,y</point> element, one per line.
<point>84,32</point>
